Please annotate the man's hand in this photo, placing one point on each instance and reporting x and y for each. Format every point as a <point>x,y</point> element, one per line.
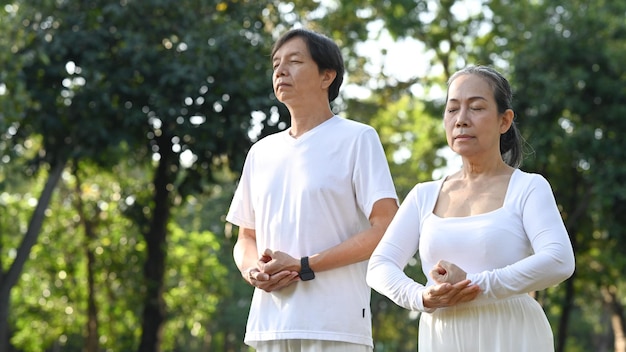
<point>273,262</point>
<point>275,270</point>
<point>269,283</point>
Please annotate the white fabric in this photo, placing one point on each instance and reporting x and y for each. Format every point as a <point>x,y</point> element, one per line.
<point>310,346</point>
<point>521,247</point>
<point>303,196</point>
<point>515,324</point>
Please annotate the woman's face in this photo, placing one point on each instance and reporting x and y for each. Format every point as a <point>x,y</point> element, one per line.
<point>472,122</point>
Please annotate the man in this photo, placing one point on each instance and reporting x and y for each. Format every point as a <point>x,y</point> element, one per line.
<point>312,203</point>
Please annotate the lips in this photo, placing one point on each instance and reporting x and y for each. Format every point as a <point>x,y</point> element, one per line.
<point>462,137</point>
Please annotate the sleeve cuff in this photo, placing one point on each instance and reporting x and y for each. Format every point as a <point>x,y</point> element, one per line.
<point>420,303</point>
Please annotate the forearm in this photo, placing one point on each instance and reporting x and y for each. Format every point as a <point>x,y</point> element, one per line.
<point>533,273</point>
<point>356,249</point>
<point>360,246</point>
<point>386,276</point>
<point>245,252</point>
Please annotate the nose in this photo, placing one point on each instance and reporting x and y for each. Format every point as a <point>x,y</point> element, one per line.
<point>279,70</point>
<point>461,117</point>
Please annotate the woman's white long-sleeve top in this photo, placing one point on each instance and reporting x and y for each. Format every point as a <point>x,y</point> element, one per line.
<point>521,247</point>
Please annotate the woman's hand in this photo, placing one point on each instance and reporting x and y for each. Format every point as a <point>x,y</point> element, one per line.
<point>447,295</point>
<point>451,286</point>
<point>446,272</point>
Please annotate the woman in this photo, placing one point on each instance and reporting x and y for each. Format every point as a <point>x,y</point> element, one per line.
<point>486,235</point>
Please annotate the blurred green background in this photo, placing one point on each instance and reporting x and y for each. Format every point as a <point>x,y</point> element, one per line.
<point>124,125</point>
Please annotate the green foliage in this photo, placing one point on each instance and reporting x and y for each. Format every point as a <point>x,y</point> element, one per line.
<point>120,88</point>
<point>570,88</point>
<point>52,292</point>
<point>226,325</point>
<point>132,82</point>
<point>410,135</point>
<point>196,280</point>
<point>103,59</point>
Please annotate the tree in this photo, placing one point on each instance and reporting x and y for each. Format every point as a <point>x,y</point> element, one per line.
<point>160,81</point>
<point>163,93</point>
<point>565,66</point>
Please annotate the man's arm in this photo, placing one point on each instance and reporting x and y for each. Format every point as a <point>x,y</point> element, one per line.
<point>245,251</point>
<point>360,246</point>
<point>356,249</point>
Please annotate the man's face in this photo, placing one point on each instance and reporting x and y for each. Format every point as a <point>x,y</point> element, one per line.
<point>296,76</point>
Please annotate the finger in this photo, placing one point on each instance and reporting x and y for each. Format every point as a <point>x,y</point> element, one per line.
<point>444,264</point>
<point>438,272</point>
<point>250,276</point>
<point>468,294</point>
<point>268,253</point>
<point>437,276</point>
<point>440,289</point>
<point>288,279</point>
<point>249,273</point>
<point>439,296</point>
<point>439,267</point>
<point>271,267</point>
<point>434,272</point>
<point>278,281</point>
<point>462,284</point>
<point>261,276</point>
<point>266,256</point>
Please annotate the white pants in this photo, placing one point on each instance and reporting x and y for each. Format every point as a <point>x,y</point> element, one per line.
<point>514,324</point>
<point>310,346</point>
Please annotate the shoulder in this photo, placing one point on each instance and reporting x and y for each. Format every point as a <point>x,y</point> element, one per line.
<point>430,186</point>
<point>523,178</point>
<point>269,140</point>
<point>426,190</point>
<point>527,184</point>
<point>351,134</point>
<point>346,124</point>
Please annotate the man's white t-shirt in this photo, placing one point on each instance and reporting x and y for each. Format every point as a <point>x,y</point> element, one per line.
<point>303,196</point>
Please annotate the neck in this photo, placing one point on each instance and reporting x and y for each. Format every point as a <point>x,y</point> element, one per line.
<point>306,121</point>
<point>492,168</point>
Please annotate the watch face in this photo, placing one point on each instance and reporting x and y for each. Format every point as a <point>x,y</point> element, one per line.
<point>307,275</point>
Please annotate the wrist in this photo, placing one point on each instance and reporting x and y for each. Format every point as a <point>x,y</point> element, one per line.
<point>306,273</point>
<point>425,304</point>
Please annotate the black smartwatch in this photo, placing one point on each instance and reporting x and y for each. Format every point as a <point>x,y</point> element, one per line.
<point>306,273</point>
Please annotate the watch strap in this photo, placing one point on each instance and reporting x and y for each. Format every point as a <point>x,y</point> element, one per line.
<point>306,273</point>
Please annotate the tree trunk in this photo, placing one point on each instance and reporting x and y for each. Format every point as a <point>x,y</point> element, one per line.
<point>618,321</point>
<point>154,267</point>
<point>568,302</point>
<point>92,339</point>
<point>10,278</point>
<point>566,311</point>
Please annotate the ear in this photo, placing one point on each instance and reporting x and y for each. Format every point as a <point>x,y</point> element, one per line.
<point>328,77</point>
<point>506,121</point>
